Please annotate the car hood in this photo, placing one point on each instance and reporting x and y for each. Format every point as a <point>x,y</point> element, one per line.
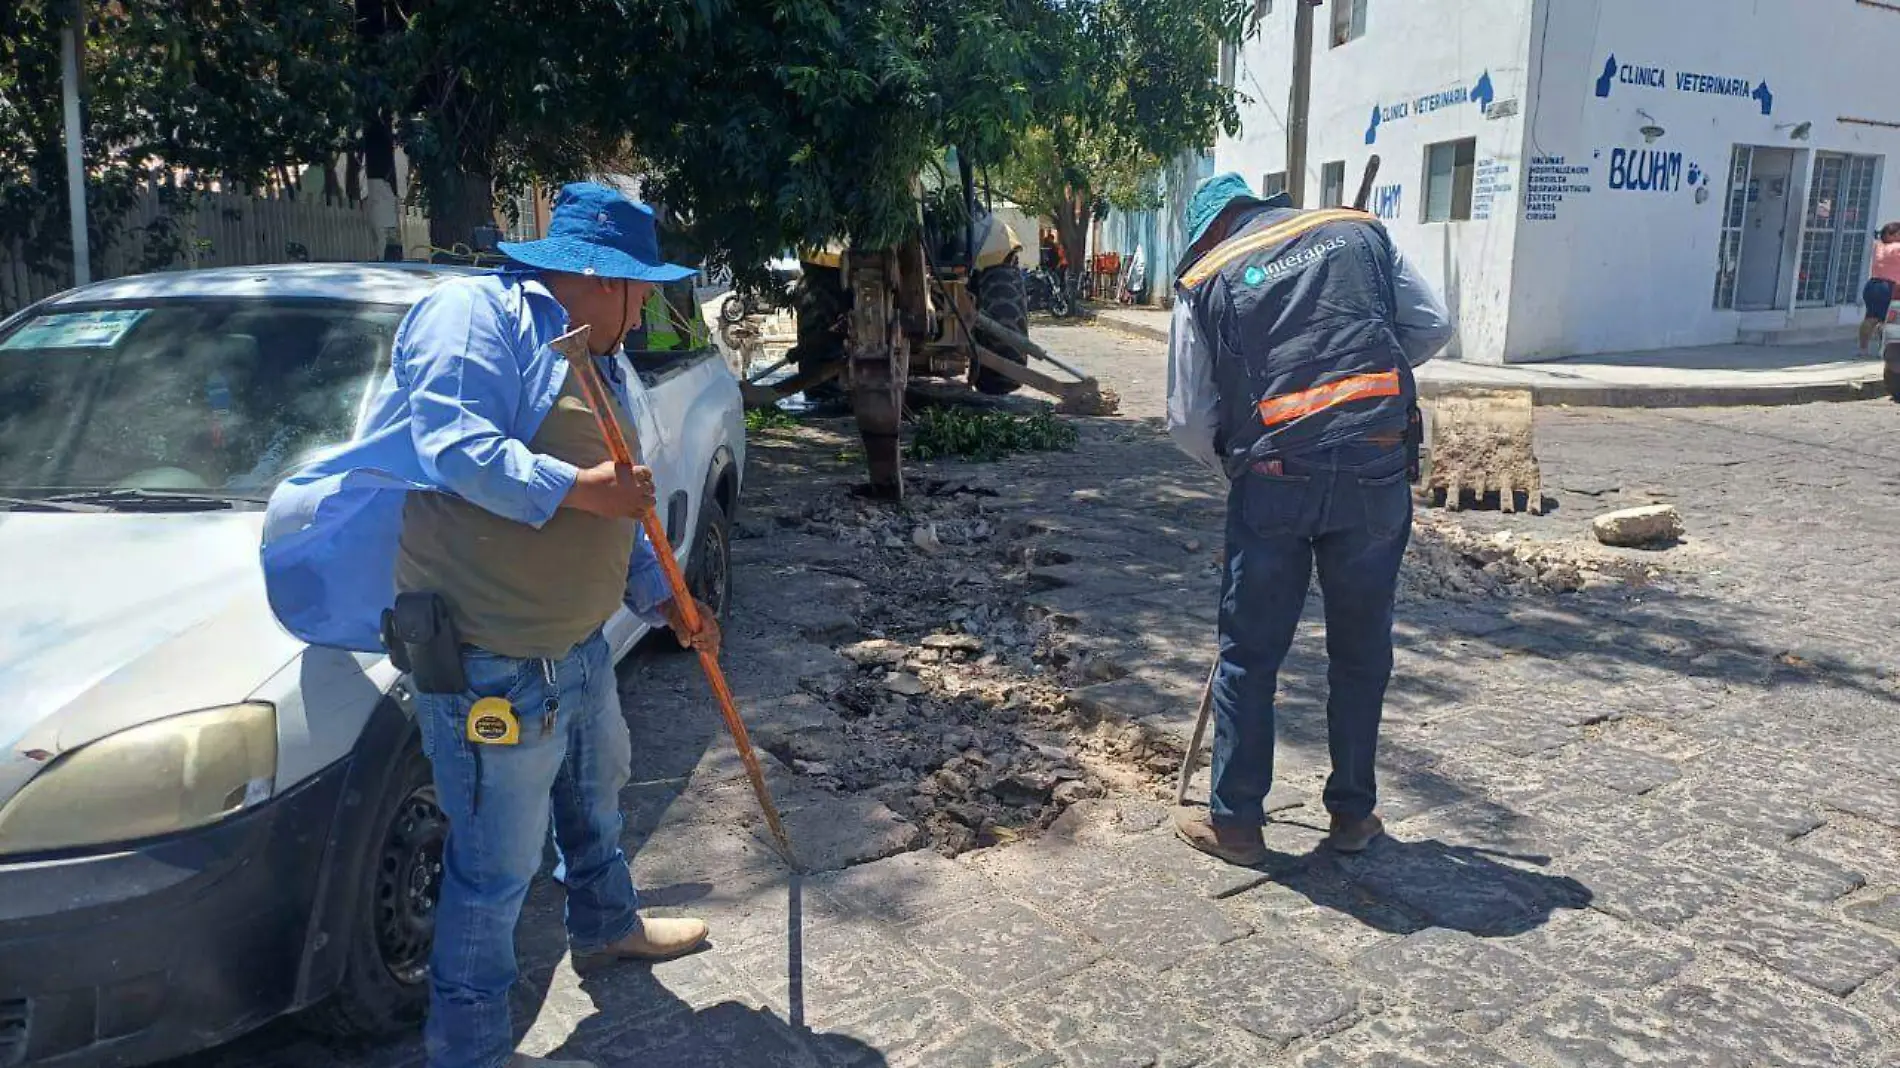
<point>110,620</point>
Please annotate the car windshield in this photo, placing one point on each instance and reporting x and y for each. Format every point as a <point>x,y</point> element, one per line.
<point>213,398</point>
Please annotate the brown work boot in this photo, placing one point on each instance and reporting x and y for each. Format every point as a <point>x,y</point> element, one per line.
<point>657,938</point>
<point>522,1060</point>
<point>1241,845</point>
<point>1349,835</point>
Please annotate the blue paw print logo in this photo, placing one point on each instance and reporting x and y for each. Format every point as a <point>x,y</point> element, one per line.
<point>1695,174</point>
<point>1254,275</point>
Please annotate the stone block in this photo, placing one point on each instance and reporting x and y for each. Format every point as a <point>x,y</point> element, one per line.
<point>1813,947</point>
<point>1301,995</point>
<point>1771,1023</point>
<point>1633,527</point>
<point>1001,947</point>
<point>1151,925</point>
<point>1635,884</point>
<point>1596,951</point>
<point>1451,972</point>
<point>1110,1014</point>
<point>1584,1030</point>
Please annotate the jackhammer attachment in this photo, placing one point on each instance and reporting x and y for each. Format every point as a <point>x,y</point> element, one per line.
<point>1479,442</point>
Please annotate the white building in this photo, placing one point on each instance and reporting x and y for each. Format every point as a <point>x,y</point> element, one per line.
<point>1598,176</point>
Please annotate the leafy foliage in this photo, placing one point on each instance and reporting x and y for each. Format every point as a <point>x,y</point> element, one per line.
<point>179,90</point>
<point>758,420</point>
<point>806,121</point>
<point>1142,91</point>
<point>761,125</point>
<point>981,435</point>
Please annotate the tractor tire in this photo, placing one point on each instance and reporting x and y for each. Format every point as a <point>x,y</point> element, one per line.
<point>820,302</point>
<point>1003,295</point>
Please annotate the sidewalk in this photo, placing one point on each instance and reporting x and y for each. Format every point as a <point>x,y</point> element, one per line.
<point>1708,376</point>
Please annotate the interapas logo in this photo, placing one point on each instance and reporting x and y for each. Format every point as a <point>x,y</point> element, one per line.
<point>1304,258</point>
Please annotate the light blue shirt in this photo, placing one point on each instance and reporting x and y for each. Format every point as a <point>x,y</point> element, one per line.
<point>470,380</point>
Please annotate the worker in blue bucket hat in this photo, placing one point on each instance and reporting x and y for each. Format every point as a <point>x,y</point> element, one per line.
<point>480,531</point>
<point>1290,374</point>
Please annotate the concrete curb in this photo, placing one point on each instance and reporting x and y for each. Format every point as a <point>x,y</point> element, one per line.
<point>1584,394</point>
<point>1147,333</point>
<point>1605,395</point>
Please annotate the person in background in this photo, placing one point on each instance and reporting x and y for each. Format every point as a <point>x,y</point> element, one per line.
<point>1290,375</point>
<point>1883,280</point>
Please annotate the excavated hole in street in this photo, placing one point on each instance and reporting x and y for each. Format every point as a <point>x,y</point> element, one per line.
<point>956,712</point>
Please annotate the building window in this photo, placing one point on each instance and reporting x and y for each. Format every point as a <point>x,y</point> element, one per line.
<point>1273,184</point>
<point>1448,174</point>
<point>1728,264</point>
<point>1229,64</point>
<point>1349,20</point>
<point>1332,184</point>
<point>1837,230</point>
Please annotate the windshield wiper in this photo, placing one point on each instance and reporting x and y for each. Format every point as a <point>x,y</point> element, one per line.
<point>145,500</point>
<point>23,504</point>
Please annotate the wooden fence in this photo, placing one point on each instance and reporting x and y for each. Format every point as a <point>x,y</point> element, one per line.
<point>226,229</point>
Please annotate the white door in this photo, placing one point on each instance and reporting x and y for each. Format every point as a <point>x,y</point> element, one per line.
<point>1765,230</point>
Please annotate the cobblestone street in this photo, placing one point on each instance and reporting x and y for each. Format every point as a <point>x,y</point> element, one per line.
<point>1645,823</point>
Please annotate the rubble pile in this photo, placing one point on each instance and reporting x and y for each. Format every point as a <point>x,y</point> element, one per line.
<point>1447,560</point>
<point>941,730</point>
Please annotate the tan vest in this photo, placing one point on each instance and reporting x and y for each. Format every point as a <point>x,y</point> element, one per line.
<point>512,589</point>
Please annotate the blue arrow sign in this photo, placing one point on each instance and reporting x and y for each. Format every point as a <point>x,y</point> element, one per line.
<point>1483,93</point>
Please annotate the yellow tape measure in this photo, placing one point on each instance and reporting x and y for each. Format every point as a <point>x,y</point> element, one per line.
<point>492,721</point>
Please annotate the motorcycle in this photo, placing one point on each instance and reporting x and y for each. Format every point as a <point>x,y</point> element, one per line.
<point>745,303</point>
<point>1047,293</point>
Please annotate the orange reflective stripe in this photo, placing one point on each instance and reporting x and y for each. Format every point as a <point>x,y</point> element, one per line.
<point>1272,235</point>
<point>1291,406</point>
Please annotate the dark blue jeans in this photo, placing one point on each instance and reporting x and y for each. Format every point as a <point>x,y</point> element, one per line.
<point>1348,511</point>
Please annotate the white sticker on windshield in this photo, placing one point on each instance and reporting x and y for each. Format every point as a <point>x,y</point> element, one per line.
<point>75,330</point>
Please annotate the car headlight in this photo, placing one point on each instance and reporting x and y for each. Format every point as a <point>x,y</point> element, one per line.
<point>170,775</point>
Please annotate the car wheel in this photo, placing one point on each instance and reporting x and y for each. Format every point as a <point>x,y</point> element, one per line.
<point>1002,295</point>
<point>709,575</point>
<point>385,986</point>
<point>711,581</point>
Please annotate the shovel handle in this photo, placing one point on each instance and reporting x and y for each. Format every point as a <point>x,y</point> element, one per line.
<point>621,446</point>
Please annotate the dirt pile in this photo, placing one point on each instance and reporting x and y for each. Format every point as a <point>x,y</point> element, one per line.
<point>1448,560</point>
<point>948,732</point>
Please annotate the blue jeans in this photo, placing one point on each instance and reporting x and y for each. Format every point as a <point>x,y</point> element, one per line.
<point>570,764</point>
<point>1348,510</point>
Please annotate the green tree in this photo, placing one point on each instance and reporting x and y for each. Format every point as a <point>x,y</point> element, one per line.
<point>1141,90</point>
<point>177,91</point>
<point>788,124</point>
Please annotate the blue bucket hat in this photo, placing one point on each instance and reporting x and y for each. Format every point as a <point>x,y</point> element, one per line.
<point>1211,198</point>
<point>598,232</point>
